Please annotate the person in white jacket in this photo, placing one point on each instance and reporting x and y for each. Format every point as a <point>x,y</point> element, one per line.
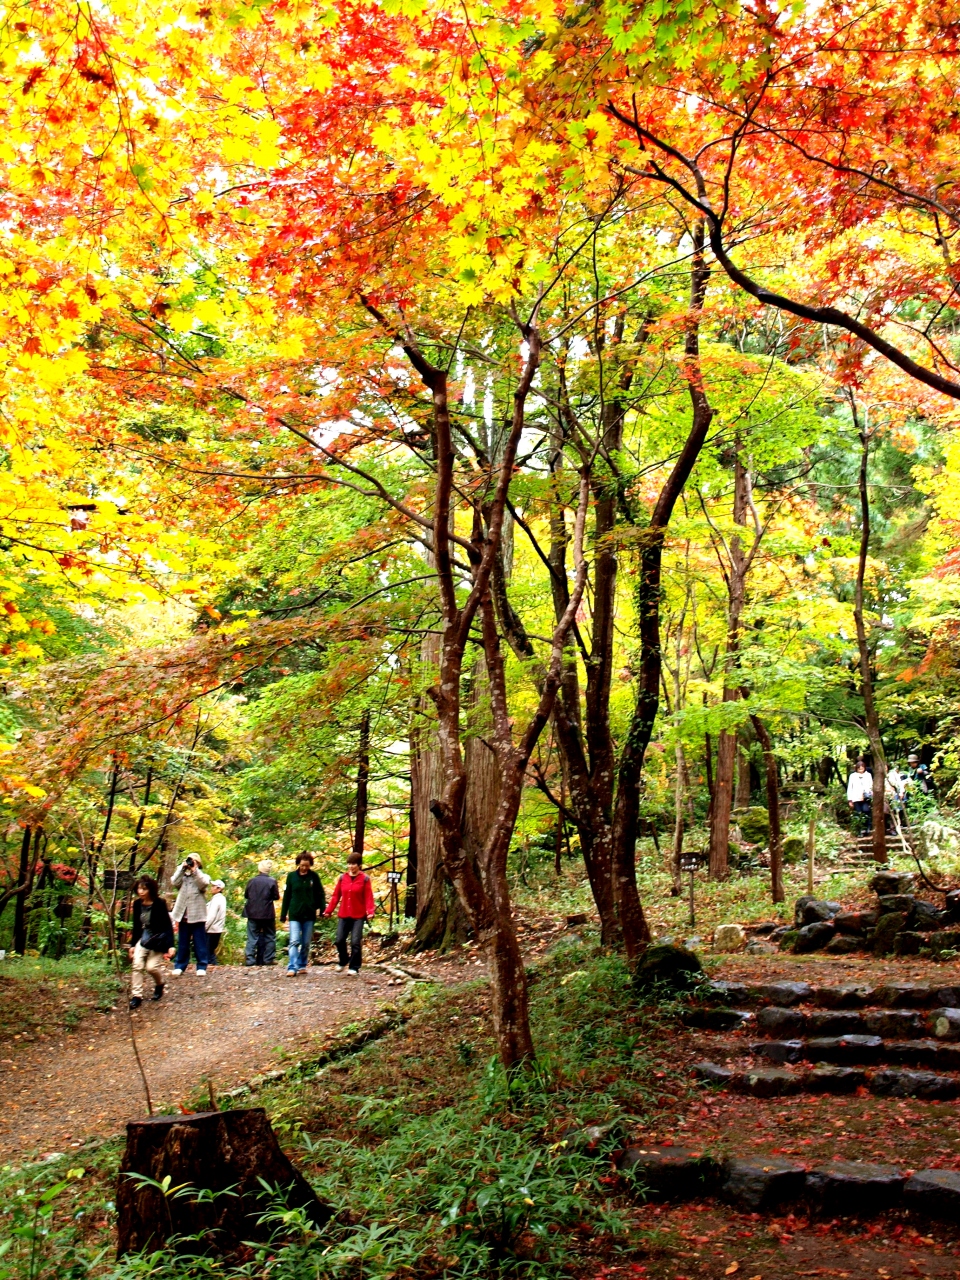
<point>860,794</point>
<point>190,914</point>
<point>216,919</point>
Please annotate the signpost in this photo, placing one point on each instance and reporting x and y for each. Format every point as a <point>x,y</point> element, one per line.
<point>393,879</point>
<point>689,863</point>
<point>119,881</point>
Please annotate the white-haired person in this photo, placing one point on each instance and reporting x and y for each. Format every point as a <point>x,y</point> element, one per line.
<point>261,916</point>
<point>216,919</point>
<point>190,914</point>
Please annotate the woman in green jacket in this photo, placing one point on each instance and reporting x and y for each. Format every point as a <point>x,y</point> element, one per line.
<point>303,897</point>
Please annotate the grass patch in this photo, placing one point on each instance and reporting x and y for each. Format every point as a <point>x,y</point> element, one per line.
<point>42,997</point>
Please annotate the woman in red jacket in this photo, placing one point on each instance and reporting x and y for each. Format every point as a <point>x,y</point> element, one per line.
<point>354,893</point>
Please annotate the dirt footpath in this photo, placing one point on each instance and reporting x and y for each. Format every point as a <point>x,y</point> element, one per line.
<point>229,1026</point>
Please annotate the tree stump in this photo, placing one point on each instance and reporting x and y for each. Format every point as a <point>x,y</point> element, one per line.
<point>213,1152</point>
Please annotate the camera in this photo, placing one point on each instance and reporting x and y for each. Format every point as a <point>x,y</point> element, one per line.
<point>189,863</point>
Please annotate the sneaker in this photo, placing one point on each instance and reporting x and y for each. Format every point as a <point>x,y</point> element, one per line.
<point>341,968</point>
<point>157,993</point>
<point>201,973</point>
<point>353,973</point>
<point>301,971</point>
<point>177,973</point>
<point>135,1002</point>
<point>291,973</point>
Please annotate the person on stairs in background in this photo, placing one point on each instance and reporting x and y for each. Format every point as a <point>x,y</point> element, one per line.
<point>216,919</point>
<point>190,914</point>
<point>303,897</point>
<point>151,941</point>
<point>860,796</point>
<point>354,893</point>
<point>261,915</point>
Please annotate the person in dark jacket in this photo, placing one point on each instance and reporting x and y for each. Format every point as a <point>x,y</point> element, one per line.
<point>354,893</point>
<point>151,941</point>
<point>303,897</point>
<point>259,896</point>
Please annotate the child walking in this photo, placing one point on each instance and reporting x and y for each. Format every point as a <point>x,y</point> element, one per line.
<point>354,894</point>
<point>151,941</point>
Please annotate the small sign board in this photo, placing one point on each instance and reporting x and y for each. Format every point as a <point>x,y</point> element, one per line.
<point>394,877</point>
<point>689,862</point>
<point>120,881</point>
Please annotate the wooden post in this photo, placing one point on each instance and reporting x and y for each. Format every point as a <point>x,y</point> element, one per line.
<point>811,846</point>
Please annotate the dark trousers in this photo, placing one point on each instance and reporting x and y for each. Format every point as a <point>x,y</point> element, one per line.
<point>865,809</point>
<point>348,927</point>
<point>213,941</point>
<point>261,942</point>
<point>198,933</point>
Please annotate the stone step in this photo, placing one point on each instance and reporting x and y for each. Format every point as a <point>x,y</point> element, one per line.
<point>778,1082</point>
<point>905,995</point>
<point>861,1051</point>
<point>891,1024</point>
<point>770,1183</point>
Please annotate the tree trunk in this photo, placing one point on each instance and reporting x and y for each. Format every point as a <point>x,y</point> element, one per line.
<point>773,809</point>
<point>363,781</point>
<point>743,795</point>
<point>230,1154</point>
<point>20,900</point>
<point>736,573</point>
<point>636,932</point>
<point>871,719</point>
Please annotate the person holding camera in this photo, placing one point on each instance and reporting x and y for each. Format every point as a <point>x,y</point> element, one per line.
<point>151,941</point>
<point>190,914</point>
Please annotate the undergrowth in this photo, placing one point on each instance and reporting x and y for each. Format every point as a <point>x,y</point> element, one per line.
<point>436,1165</point>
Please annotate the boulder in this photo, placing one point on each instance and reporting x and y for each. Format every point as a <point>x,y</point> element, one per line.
<point>925,917</point>
<point>948,996</point>
<point>670,1173</point>
<point>814,937</point>
<point>893,1024</point>
<point>844,1050</point>
<point>762,1184</point>
<point>772,1021</point>
<point>914,1084</point>
<point>728,992</point>
<point>768,1082</point>
<point>944,943</point>
<point>905,995</point>
<point>885,882</point>
<point>843,944</point>
<point>835,1080</point>
<point>850,1187</point>
<point>713,1073</point>
<point>951,906</point>
<point>729,937</point>
<point>788,939</point>
<point>915,1053</point>
<point>908,944</point>
<point>934,1193</point>
<point>778,1050</point>
<point>754,824</point>
<point>904,902</point>
<point>794,849</point>
<point>665,968</point>
<point>594,1139</point>
<point>846,997</point>
<point>945,1023</point>
<point>778,933</point>
<point>888,926</point>
<point>759,947</point>
<point>834,1022</point>
<point>855,922</point>
<point>814,910</point>
<point>786,994</point>
<point>716,1019</point>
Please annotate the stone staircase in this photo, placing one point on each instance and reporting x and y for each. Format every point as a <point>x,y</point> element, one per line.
<point>857,854</point>
<point>805,1039</point>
